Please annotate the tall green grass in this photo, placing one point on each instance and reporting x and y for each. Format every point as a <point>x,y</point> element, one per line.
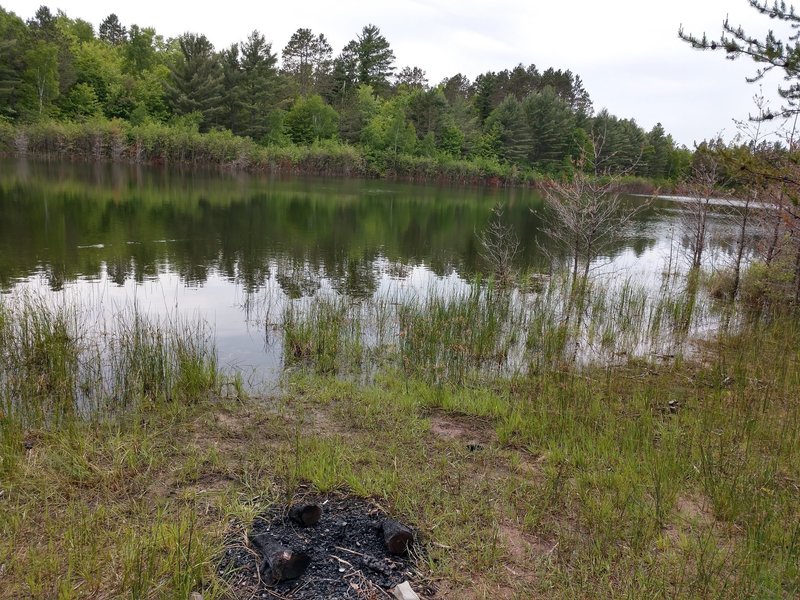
<point>481,330</point>
<point>57,365</point>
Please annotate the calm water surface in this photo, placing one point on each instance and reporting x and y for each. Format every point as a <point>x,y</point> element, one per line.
<point>234,249</point>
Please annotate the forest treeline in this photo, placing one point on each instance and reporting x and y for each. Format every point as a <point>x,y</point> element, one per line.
<point>126,90</point>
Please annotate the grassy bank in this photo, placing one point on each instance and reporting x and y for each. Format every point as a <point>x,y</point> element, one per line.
<point>183,145</point>
<point>641,478</point>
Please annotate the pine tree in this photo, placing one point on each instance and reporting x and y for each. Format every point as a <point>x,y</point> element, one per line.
<point>307,59</point>
<point>508,122</point>
<point>258,86</point>
<point>551,124</point>
<point>112,31</point>
<point>196,80</point>
<point>412,78</point>
<point>231,78</point>
<point>345,76</point>
<point>375,59</point>
<point>769,53</point>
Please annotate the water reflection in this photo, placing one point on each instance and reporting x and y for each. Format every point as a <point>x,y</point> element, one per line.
<point>220,245</point>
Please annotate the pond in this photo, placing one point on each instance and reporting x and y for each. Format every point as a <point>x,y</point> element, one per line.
<point>235,249</point>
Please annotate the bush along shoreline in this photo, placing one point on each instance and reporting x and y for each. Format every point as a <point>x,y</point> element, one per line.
<point>184,145</point>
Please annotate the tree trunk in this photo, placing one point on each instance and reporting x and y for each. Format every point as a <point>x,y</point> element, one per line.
<point>740,251</point>
<point>773,243</point>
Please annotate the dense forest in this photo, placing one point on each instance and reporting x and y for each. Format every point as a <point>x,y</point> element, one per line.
<point>521,122</point>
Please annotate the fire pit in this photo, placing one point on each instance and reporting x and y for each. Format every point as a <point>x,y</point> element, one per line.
<point>330,546</point>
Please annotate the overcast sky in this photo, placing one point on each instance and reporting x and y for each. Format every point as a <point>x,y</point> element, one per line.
<point>626,51</point>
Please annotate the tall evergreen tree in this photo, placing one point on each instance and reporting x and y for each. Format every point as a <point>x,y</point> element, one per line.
<point>522,81</point>
<point>427,111</point>
<point>231,78</point>
<point>487,95</point>
<point>412,78</point>
<point>258,86</point>
<point>375,59</point>
<point>307,59</point>
<point>457,87</point>
<point>196,80</point>
<point>657,152</point>
<point>507,122</point>
<point>551,124</point>
<point>112,31</point>
<point>345,76</point>
<point>43,25</point>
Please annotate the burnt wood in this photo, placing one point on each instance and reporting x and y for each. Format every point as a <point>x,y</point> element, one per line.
<point>280,563</point>
<point>397,536</point>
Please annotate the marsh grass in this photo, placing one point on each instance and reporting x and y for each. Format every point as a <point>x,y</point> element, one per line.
<point>641,478</point>
<point>58,366</point>
<point>321,331</point>
<point>636,480</point>
<point>58,360</point>
<point>480,330</point>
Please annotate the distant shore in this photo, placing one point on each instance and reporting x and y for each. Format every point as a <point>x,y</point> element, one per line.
<point>158,144</point>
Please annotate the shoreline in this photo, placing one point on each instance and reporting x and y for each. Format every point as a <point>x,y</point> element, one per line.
<point>171,147</point>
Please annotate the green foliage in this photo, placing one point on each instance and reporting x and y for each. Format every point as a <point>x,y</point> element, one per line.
<point>307,59</point>
<point>510,135</point>
<point>41,75</point>
<point>81,103</point>
<point>551,125</point>
<point>374,58</point>
<point>196,79</point>
<point>411,78</point>
<point>140,51</point>
<point>258,90</point>
<point>389,130</point>
<point>112,31</point>
<point>12,66</point>
<point>310,120</point>
<point>53,66</point>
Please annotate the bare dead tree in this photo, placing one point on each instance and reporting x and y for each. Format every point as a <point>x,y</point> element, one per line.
<point>699,190</point>
<point>588,214</point>
<point>754,133</point>
<point>499,246</point>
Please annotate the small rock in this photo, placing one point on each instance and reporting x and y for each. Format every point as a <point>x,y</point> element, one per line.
<point>403,591</point>
<point>196,596</point>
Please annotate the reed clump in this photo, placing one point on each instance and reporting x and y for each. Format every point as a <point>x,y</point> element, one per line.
<point>58,361</point>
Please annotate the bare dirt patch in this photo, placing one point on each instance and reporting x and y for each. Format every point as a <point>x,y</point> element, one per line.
<point>470,431</point>
<point>694,510</point>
